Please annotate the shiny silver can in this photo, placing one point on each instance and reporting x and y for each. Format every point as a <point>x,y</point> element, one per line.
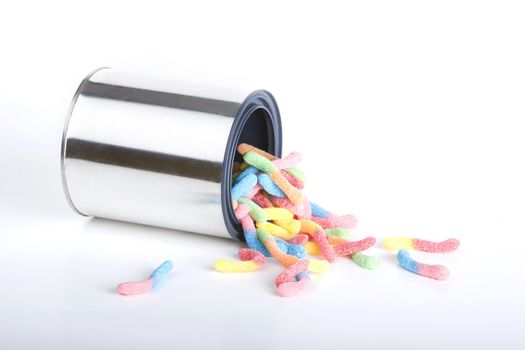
<point>156,152</point>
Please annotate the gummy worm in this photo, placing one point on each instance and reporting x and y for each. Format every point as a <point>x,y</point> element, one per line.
<point>448,245</point>
<point>271,169</point>
<point>293,280</point>
<point>154,280</point>
<point>250,260</point>
<point>438,272</point>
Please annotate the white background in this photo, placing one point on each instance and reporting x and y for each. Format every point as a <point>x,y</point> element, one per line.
<point>409,114</point>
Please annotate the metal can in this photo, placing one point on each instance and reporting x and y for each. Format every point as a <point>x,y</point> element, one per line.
<point>160,153</point>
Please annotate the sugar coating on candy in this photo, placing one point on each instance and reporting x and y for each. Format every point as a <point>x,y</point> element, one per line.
<point>262,201</point>
<point>448,245</point>
<point>438,272</point>
<point>135,288</point>
<point>312,248</point>
<point>336,221</point>
<point>244,186</point>
<point>396,243</point>
<point>246,254</point>
<point>261,163</point>
<point>338,232</point>
<point>293,280</point>
<point>293,288</point>
<point>293,226</point>
<point>244,148</point>
<point>226,265</point>
<point>241,211</point>
<point>319,211</point>
<point>275,230</point>
<point>251,260</point>
<point>365,261</point>
<point>250,170</point>
<point>326,249</point>
<point>269,186</point>
<point>254,191</point>
<point>251,237</point>
<point>141,287</point>
<point>291,271</point>
<point>278,214</point>
<point>318,266</point>
<point>295,182</point>
<point>291,248</point>
<point>300,239</point>
<point>289,161</point>
<point>268,167</point>
<point>271,245</point>
<point>295,195</point>
<point>256,212</point>
<point>235,204</point>
<point>285,203</point>
<point>349,248</point>
<point>296,172</point>
<point>160,273</point>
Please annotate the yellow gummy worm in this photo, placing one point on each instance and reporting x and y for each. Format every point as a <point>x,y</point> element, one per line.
<point>395,243</point>
<point>278,214</point>
<point>312,248</point>
<point>275,230</point>
<point>293,226</point>
<point>309,226</point>
<point>225,265</point>
<point>318,266</point>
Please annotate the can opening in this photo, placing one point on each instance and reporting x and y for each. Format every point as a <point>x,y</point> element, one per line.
<point>257,123</point>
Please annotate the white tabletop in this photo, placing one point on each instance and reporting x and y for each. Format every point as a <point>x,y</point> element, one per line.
<point>409,117</point>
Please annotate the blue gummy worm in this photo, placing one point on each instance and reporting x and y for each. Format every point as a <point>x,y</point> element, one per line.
<point>319,211</point>
<point>255,244</point>
<point>244,186</point>
<point>249,170</point>
<point>161,272</point>
<point>269,186</point>
<point>406,262</point>
<point>292,249</point>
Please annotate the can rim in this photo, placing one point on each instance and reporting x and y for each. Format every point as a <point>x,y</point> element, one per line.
<point>257,100</point>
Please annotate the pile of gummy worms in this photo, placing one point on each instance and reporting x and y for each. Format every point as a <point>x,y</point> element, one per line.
<point>279,221</point>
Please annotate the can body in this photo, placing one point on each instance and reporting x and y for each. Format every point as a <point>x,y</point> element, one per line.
<point>160,153</point>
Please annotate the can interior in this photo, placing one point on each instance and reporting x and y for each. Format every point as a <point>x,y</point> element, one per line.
<point>257,123</point>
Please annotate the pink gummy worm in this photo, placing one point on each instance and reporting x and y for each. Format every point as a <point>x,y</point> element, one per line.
<point>435,247</point>
<point>247,223</point>
<point>135,288</point>
<point>336,221</point>
<point>290,289</point>
<point>289,161</point>
<point>438,272</point>
<point>262,201</point>
<point>241,211</point>
<point>349,248</point>
<point>246,254</point>
<point>319,237</point>
<point>254,191</point>
<point>295,182</point>
<point>299,239</point>
<point>286,286</point>
<point>283,202</point>
<point>291,271</point>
